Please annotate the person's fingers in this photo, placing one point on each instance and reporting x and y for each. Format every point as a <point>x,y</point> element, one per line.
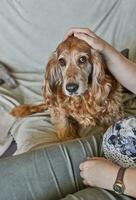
<point>84,164</point>
<point>82,174</point>
<point>81,166</point>
<point>90,40</point>
<point>79,30</point>
<point>69,33</point>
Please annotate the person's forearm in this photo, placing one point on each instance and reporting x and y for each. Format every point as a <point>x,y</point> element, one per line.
<point>130,182</point>
<point>123,69</point>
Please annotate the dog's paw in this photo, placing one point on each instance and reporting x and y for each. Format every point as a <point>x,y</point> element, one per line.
<point>21,111</point>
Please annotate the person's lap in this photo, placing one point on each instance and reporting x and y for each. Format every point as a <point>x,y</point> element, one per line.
<point>52,172</point>
<point>93,193</point>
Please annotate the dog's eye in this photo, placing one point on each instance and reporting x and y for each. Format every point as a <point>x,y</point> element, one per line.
<point>62,62</point>
<point>82,59</point>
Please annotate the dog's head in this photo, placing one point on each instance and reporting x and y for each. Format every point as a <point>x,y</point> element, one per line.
<point>75,66</point>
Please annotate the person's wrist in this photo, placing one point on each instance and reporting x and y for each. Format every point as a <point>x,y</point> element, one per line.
<point>114,175</point>
<point>111,54</point>
<point>126,181</point>
<point>111,174</point>
<point>129,188</point>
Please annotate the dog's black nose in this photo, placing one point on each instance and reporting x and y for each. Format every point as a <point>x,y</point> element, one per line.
<point>72,87</point>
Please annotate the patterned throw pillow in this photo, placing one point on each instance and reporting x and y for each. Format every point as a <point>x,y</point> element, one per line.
<point>119,142</point>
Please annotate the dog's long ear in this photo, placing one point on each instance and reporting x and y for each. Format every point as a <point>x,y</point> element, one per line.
<point>52,77</point>
<point>101,81</point>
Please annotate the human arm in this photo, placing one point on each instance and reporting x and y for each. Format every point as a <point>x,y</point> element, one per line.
<point>102,173</point>
<point>122,69</point>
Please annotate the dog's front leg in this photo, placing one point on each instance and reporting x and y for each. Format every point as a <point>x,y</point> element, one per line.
<point>25,110</point>
<point>66,126</point>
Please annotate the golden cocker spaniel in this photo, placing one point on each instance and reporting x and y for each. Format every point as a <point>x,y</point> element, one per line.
<point>78,90</point>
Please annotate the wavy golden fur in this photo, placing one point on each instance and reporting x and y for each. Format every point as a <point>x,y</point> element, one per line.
<point>78,90</point>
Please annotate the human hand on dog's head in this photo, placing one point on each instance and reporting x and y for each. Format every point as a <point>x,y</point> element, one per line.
<point>89,37</point>
<point>6,78</point>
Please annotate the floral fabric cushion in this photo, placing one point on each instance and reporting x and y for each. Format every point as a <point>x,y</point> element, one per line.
<point>119,142</point>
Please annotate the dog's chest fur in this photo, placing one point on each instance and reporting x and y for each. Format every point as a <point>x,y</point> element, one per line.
<point>85,109</point>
